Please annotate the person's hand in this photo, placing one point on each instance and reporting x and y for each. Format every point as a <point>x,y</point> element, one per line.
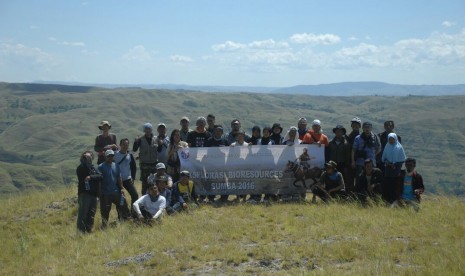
<point>87,178</point>
<point>418,192</point>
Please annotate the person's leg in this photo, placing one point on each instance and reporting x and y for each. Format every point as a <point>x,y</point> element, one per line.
<point>321,194</point>
<point>105,208</point>
<point>144,173</point>
<point>224,198</point>
<point>121,209</point>
<point>129,186</point>
<point>82,211</point>
<point>91,212</point>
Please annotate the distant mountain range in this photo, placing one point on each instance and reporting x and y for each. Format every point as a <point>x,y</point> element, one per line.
<point>333,89</point>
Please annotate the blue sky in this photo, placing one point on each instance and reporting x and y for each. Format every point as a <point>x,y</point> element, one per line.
<point>243,43</point>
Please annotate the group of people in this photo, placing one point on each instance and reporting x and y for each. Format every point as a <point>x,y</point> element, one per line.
<point>359,165</point>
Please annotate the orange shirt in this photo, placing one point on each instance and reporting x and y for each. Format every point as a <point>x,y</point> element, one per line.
<point>320,137</point>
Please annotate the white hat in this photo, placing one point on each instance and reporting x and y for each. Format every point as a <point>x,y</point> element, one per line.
<point>160,166</point>
<point>316,123</point>
<point>109,152</point>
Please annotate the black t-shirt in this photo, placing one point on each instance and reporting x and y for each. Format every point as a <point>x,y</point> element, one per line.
<point>222,142</point>
<point>196,139</point>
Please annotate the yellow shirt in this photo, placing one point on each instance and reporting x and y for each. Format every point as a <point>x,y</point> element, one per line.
<point>183,188</point>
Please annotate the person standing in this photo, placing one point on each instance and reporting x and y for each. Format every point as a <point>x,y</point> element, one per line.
<point>217,139</point>
<point>163,143</point>
<point>351,176</point>
<point>88,189</point>
<point>127,164</point>
<point>266,137</point>
<point>383,138</point>
<point>173,167</point>
<point>291,138</point>
<point>302,128</point>
<point>366,146</point>
<point>256,135</point>
<point>104,141</point>
<point>148,154</point>
<point>339,150</point>
<point>111,190</point>
<point>184,131</point>
<point>211,123</point>
<point>235,128</point>
<point>199,136</point>
<point>393,158</point>
<point>276,131</point>
<point>315,135</point>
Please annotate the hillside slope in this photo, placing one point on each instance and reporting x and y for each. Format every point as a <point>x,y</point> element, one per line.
<point>43,133</point>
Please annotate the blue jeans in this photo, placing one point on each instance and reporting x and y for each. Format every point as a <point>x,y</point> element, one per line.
<point>86,212</point>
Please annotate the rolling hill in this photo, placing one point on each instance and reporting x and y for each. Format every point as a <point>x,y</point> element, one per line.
<point>45,127</point>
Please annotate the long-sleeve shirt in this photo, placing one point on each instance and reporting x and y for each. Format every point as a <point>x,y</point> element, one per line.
<point>154,208</point>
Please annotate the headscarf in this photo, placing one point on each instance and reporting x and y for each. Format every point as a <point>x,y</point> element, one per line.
<point>296,138</point>
<point>393,153</point>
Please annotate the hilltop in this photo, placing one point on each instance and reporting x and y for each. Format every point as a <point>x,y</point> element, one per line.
<point>45,127</point>
<point>39,237</point>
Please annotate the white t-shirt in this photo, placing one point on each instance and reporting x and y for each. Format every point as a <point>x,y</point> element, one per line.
<point>154,208</point>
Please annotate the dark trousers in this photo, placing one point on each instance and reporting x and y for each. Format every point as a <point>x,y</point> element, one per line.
<point>129,186</point>
<point>145,171</point>
<point>86,212</point>
<point>105,207</point>
<point>388,187</point>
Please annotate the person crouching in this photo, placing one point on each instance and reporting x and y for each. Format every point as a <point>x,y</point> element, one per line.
<point>151,206</point>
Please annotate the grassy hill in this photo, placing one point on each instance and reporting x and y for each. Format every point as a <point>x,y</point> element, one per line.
<point>39,237</point>
<point>44,128</point>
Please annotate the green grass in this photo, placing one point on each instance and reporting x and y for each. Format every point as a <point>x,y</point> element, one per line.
<point>39,237</point>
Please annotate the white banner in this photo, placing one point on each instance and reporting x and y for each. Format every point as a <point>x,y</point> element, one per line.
<point>275,169</point>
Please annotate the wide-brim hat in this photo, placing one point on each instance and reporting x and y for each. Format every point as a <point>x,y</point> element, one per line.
<point>104,123</point>
<point>339,127</point>
<point>276,125</point>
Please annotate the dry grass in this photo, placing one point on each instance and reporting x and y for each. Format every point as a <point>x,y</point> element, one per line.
<point>39,237</point>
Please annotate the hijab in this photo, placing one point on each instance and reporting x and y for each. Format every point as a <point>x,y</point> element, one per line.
<point>393,153</point>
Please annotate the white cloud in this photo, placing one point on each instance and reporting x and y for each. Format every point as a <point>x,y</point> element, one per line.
<point>138,53</point>
<point>437,49</point>
<point>268,44</point>
<point>181,59</point>
<point>51,38</point>
<point>33,27</point>
<point>228,46</point>
<point>73,44</point>
<point>324,39</point>
<point>32,54</point>
<point>231,46</point>
<point>447,24</point>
